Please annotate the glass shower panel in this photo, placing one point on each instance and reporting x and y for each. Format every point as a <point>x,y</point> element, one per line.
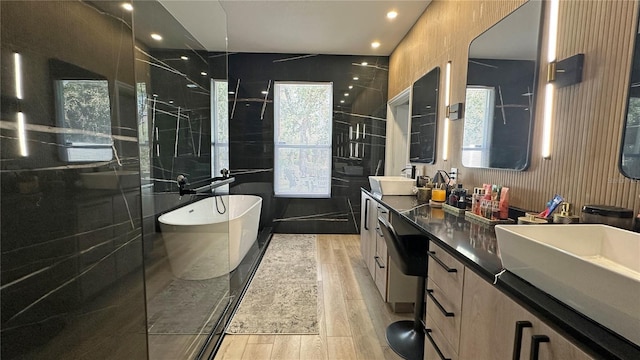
<point>186,238</point>
<point>71,280</point>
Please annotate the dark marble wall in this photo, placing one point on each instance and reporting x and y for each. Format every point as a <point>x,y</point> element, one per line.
<point>252,143</point>
<point>70,238</point>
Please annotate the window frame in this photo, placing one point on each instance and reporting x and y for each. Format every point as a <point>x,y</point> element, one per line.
<point>278,192</point>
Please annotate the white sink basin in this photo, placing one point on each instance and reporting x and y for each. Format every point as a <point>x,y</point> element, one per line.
<point>594,269</point>
<point>391,185</point>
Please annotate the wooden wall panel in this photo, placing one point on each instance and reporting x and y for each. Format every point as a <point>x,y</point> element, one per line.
<point>588,117</point>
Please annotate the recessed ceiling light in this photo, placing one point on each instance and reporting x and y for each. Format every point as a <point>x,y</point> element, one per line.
<point>375,44</point>
<point>264,92</point>
<point>232,92</point>
<point>170,101</point>
<point>341,101</point>
<point>192,86</point>
<point>127,6</point>
<point>346,94</point>
<point>184,57</point>
<point>203,73</point>
<point>156,37</point>
<point>364,63</point>
<point>155,95</point>
<point>350,87</point>
<point>392,14</point>
<point>355,78</point>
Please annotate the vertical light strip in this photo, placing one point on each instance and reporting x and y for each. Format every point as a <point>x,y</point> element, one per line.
<point>447,87</point>
<point>18,74</point>
<point>549,88</point>
<point>22,135</point>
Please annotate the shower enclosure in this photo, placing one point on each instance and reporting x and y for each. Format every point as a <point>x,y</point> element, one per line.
<point>187,291</point>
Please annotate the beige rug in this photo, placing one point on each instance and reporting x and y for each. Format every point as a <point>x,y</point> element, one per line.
<point>283,294</point>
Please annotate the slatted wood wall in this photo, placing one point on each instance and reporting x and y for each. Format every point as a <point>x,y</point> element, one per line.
<point>588,117</point>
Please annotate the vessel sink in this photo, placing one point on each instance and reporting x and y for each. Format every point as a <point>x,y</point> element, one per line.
<point>391,185</point>
<point>595,269</point>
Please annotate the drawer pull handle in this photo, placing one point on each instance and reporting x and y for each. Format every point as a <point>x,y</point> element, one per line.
<point>379,232</point>
<point>366,213</point>
<point>376,258</point>
<point>440,307</point>
<point>427,332</point>
<point>535,345</point>
<point>517,341</point>
<point>435,258</point>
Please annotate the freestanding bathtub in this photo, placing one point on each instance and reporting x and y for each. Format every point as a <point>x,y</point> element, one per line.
<point>201,243</point>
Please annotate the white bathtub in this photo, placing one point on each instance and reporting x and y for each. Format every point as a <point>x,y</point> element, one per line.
<point>203,244</point>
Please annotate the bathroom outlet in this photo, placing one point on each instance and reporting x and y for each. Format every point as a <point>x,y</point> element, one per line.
<point>453,174</point>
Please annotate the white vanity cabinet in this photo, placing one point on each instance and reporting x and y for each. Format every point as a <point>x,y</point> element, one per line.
<point>394,287</point>
<point>368,223</point>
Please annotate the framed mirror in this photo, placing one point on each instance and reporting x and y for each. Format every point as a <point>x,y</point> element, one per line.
<point>500,94</point>
<point>630,151</point>
<point>424,117</point>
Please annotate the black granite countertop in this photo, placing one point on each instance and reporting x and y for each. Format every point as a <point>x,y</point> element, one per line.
<point>476,246</point>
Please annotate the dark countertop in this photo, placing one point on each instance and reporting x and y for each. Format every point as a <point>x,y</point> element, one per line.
<point>476,246</point>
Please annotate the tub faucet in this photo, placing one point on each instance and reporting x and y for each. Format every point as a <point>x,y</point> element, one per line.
<point>205,184</point>
<point>182,183</point>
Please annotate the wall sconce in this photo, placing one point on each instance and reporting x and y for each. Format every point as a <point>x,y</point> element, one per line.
<point>549,87</point>
<point>20,118</point>
<point>454,111</point>
<point>447,94</point>
<point>566,72</point>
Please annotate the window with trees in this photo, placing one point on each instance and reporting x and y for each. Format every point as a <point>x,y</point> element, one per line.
<point>302,138</point>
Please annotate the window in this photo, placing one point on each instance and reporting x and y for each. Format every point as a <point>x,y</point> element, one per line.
<point>302,138</point>
<point>220,136</point>
<point>478,125</point>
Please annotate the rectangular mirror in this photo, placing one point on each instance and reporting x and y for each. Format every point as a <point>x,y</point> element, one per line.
<point>500,95</point>
<point>630,152</point>
<point>83,108</point>
<point>424,117</point>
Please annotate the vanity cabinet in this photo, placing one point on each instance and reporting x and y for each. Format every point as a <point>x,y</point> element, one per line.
<point>368,223</point>
<point>394,287</point>
<point>444,304</point>
<point>496,327</point>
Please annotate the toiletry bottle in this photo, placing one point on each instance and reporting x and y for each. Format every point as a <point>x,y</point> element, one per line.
<point>462,198</point>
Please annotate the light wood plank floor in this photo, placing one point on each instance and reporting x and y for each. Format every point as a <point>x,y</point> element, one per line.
<point>352,314</point>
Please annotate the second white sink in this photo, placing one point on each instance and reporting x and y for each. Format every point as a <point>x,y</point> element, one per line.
<point>391,185</point>
<point>595,269</point>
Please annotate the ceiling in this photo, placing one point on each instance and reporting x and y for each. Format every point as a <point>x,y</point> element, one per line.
<point>298,26</point>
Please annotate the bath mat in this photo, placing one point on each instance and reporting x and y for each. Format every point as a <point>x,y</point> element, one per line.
<point>188,306</point>
<point>283,294</point>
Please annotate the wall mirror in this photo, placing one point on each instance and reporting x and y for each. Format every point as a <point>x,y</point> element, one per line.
<point>424,116</point>
<point>500,94</point>
<point>83,108</point>
<point>630,152</point>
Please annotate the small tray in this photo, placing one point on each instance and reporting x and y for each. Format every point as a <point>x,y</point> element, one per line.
<point>453,210</point>
<point>477,218</point>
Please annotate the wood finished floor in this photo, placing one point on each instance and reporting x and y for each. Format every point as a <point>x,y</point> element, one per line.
<point>352,314</point>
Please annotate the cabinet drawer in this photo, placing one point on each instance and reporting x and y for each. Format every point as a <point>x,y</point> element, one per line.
<point>381,267</point>
<point>437,305</point>
<point>447,273</point>
<point>436,343</point>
